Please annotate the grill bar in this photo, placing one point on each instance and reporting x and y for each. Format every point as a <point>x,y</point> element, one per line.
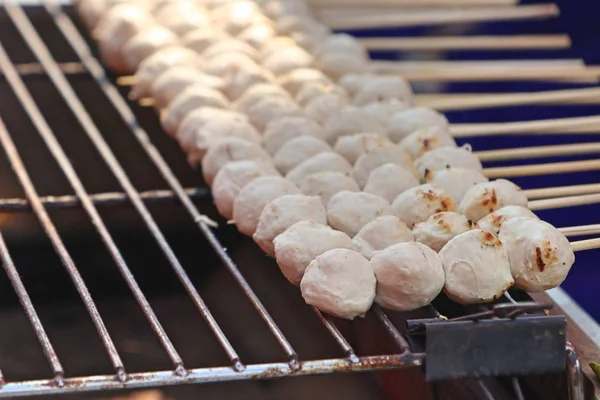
<point>25,301</point>
<point>391,329</point>
<point>41,213</point>
<point>57,77</point>
<point>335,332</point>
<point>99,199</point>
<point>78,44</point>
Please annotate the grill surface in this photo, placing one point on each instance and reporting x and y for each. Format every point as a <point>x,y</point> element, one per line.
<point>77,136</point>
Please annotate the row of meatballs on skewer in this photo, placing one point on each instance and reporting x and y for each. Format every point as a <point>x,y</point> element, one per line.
<point>359,196</point>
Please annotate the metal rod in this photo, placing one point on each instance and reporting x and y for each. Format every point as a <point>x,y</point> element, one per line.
<point>574,374</point>
<point>337,335</point>
<point>42,53</point>
<point>50,230</point>
<point>99,199</point>
<point>392,330</point>
<point>517,388</point>
<point>25,300</point>
<point>81,48</point>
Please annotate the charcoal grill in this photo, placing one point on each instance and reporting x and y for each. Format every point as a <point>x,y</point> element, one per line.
<point>67,128</point>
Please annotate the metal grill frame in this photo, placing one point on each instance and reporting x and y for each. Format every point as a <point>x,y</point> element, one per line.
<point>180,373</point>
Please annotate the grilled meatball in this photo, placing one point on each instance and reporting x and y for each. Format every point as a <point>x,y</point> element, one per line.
<point>353,146</point>
<point>381,233</point>
<point>352,82</point>
<point>349,211</point>
<point>339,282</point>
<point>256,93</point>
<point>229,150</point>
<point>419,203</point>
<point>409,276</point>
<point>145,43</point>
<point>296,79</point>
<point>320,108</point>
<point>201,39</point>
<point>230,46</point>
<point>257,34</point>
<point>425,139</point>
<point>304,241</point>
<point>176,79</point>
<point>447,157</point>
<point>336,65</point>
<point>340,43</point>
<point>280,131</point>
<point>275,45</point>
<point>235,17</point>
<point>313,90</point>
<point>284,212</point>
<point>190,99</point>
<point>477,268</point>
<point>287,60</point>
<point>298,150</point>
<point>439,228</point>
<point>389,180</point>
<point>91,11</point>
<point>493,222</point>
<point>540,255</point>
<point>351,120</point>
<point>383,88</point>
<point>456,181</point>
<point>327,161</point>
<point>182,17</point>
<point>252,199</point>
<point>232,178</point>
<point>297,23</point>
<point>153,66</point>
<point>270,109</point>
<point>488,197</point>
<point>384,110</point>
<point>378,156</point>
<point>406,122</point>
<point>327,184</point>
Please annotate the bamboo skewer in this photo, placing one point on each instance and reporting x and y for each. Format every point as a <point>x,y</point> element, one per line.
<point>438,16</point>
<point>448,102</point>
<point>429,43</point>
<point>409,3</point>
<point>523,153</point>
<point>542,169</point>
<point>556,126</point>
<point>583,230</point>
<point>590,244</point>
<point>562,202</point>
<point>384,66</point>
<point>562,191</point>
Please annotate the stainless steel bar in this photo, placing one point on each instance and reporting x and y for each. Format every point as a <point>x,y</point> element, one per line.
<point>50,230</point>
<point>337,335</point>
<point>25,300</point>
<point>99,199</point>
<point>391,328</point>
<point>42,53</point>
<point>574,374</point>
<point>208,375</point>
<point>95,69</point>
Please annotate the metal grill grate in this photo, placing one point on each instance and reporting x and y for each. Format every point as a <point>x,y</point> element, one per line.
<point>237,369</point>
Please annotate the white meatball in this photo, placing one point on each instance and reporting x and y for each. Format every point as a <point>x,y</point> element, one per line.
<point>349,211</point>
<point>146,43</point>
<point>276,45</point>
<point>238,73</point>
<point>277,9</point>
<point>115,28</point>
<point>327,161</point>
<point>91,11</point>
<point>351,120</point>
<point>296,79</point>
<point>235,17</point>
<point>183,17</point>
<point>439,228</point>
<point>320,108</point>
<point>294,23</point>
<point>202,38</point>
<point>256,93</point>
<point>338,64</point>
<point>409,276</point>
<point>270,109</point>
<point>477,268</point>
<point>176,79</point>
<point>339,282</point>
<point>253,198</point>
<point>447,157</point>
<point>327,184</point>
<point>303,242</point>
<point>406,122</point>
<point>384,110</point>
<point>207,126</point>
<point>257,35</point>
<point>540,255</point>
<point>378,156</point>
<point>381,233</point>
<point>192,98</point>
<point>340,43</point>
<point>493,222</point>
<point>425,139</point>
<point>352,82</point>
<point>282,130</point>
<point>419,203</point>
<point>152,67</point>
<point>230,46</point>
<point>230,180</point>
<point>287,60</point>
<point>229,150</point>
<point>353,146</point>
<point>389,180</point>
<point>488,197</point>
<point>298,150</point>
<point>313,90</point>
<point>284,212</point>
<point>384,88</point>
<point>456,181</point>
